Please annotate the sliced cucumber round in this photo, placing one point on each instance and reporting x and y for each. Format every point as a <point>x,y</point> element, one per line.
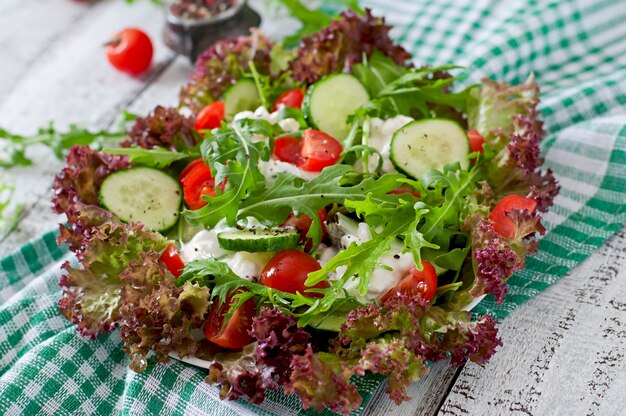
<point>257,240</point>
<point>428,144</point>
<point>144,195</point>
<point>242,96</point>
<point>330,101</point>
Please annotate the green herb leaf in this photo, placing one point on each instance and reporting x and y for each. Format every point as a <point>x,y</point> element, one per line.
<point>159,157</point>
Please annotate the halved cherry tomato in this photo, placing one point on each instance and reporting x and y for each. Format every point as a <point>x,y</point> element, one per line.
<point>303,224</point>
<point>501,222</point>
<point>171,259</point>
<point>476,141</point>
<point>292,98</point>
<point>210,117</point>
<point>189,167</point>
<point>318,151</point>
<point>288,149</point>
<point>288,270</point>
<point>235,334</point>
<point>130,51</point>
<point>197,180</point>
<point>400,191</point>
<point>417,283</point>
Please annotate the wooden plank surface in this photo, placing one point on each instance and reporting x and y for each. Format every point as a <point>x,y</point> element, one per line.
<point>564,350</point>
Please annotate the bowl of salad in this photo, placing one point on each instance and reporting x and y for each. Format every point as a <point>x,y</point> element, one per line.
<point>307,217</point>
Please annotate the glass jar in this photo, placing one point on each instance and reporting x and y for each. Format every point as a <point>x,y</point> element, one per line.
<point>192,26</point>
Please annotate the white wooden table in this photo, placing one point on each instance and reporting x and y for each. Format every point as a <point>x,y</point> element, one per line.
<point>564,351</point>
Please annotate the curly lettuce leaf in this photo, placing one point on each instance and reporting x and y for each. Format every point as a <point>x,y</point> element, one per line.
<point>91,298</point>
<point>163,127</point>
<point>491,108</point>
<point>265,364</point>
<point>319,382</point>
<point>342,44</point>
<point>221,65</point>
<point>157,315</point>
<point>515,169</point>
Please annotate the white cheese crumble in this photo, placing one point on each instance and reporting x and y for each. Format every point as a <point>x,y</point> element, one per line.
<point>381,133</point>
<point>289,125</point>
<point>205,245</point>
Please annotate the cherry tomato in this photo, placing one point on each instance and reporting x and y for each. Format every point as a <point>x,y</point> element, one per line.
<point>235,333</point>
<point>318,151</point>
<point>288,270</point>
<point>189,168</point>
<point>130,51</point>
<point>292,98</point>
<point>303,224</point>
<point>401,191</point>
<point>211,116</point>
<point>197,180</point>
<point>171,259</point>
<point>417,283</point>
<point>476,141</point>
<point>503,224</point>
<point>287,149</point>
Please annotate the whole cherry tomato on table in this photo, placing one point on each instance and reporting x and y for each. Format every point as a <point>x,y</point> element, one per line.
<point>501,222</point>
<point>319,150</point>
<point>130,51</point>
<point>292,98</point>
<point>288,270</point>
<point>171,259</point>
<point>197,181</point>
<point>211,116</point>
<point>422,283</point>
<point>235,334</point>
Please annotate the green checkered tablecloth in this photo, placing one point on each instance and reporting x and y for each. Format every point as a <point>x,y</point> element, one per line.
<point>577,50</point>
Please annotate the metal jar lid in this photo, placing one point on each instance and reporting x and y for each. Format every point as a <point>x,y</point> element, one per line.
<point>191,37</point>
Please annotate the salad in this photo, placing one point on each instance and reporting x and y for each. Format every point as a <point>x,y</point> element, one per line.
<point>308,215</point>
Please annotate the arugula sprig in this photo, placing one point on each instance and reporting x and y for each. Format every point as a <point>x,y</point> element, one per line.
<point>158,157</point>
<point>415,92</point>
<point>13,146</point>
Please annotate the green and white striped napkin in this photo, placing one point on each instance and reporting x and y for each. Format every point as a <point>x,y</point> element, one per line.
<point>577,51</point>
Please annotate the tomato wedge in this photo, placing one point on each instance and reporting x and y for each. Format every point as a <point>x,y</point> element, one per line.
<point>501,222</point>
<point>292,98</point>
<point>288,270</point>
<point>319,150</point>
<point>171,259</point>
<point>288,149</point>
<point>211,116</point>
<point>303,224</point>
<point>476,141</point>
<point>197,181</point>
<point>235,334</point>
<point>417,283</point>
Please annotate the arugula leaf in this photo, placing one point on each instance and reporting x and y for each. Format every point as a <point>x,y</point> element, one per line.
<point>415,92</point>
<point>8,219</point>
<point>233,155</point>
<point>293,194</point>
<point>159,157</point>
<point>313,19</point>
<point>13,146</point>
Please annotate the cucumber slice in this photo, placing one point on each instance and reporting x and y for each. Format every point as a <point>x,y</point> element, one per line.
<point>242,96</point>
<point>257,240</point>
<point>428,144</point>
<point>330,101</point>
<point>144,195</point>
